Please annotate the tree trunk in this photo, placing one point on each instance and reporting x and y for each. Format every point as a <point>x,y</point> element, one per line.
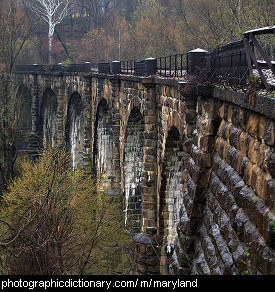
<point>50,47</point>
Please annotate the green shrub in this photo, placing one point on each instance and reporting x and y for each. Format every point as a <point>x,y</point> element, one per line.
<point>54,221</point>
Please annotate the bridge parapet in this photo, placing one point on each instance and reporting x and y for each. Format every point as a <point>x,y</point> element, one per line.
<point>42,68</point>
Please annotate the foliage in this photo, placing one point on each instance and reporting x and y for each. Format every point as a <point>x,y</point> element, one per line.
<point>153,30</point>
<point>128,30</point>
<point>111,42</point>
<point>54,221</point>
<point>67,64</point>
<point>273,226</point>
<point>246,261</point>
<point>15,31</point>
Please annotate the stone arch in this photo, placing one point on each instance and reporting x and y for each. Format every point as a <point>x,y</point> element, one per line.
<point>74,131</point>
<point>48,119</point>
<point>24,116</point>
<point>170,196</point>
<point>175,120</point>
<point>103,144</point>
<point>133,169</point>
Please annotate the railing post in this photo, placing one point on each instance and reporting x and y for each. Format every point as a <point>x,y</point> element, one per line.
<point>150,66</point>
<point>116,67</point>
<point>176,65</point>
<point>170,66</point>
<point>195,60</point>
<point>87,67</point>
<point>181,64</point>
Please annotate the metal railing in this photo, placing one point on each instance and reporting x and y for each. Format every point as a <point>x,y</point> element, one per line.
<point>229,65</point>
<point>128,67</point>
<point>38,68</point>
<point>172,66</point>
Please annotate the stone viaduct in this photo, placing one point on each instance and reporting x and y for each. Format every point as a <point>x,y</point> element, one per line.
<point>195,164</point>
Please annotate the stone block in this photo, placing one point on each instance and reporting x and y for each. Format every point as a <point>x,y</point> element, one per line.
<point>262,126</point>
<point>205,126</point>
<point>149,159</point>
<point>206,160</point>
<point>221,126</point>
<point>266,261</point>
<point>203,178</point>
<point>248,172</point>
<point>266,159</point>
<point>270,191</point>
<point>187,145</point>
<point>248,200</point>
<point>225,131</point>
<point>230,112</point>
<point>190,116</point>
<point>239,224</point>
<point>236,115</point>
<point>206,143</point>
<point>214,183</point>
<point>232,157</point>
<point>241,164</point>
<point>150,119</point>
<point>221,111</point>
<point>219,146</point>
<point>190,130</point>
<point>252,125</point>
<point>149,222</point>
<point>193,170</point>
<point>259,183</point>
<point>262,218</point>
<point>268,135</point>
<point>234,134</point>
<point>254,150</point>
<point>242,143</point>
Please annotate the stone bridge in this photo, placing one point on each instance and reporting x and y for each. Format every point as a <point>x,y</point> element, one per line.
<point>194,164</point>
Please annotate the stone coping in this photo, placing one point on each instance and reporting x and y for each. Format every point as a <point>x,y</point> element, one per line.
<point>262,104</point>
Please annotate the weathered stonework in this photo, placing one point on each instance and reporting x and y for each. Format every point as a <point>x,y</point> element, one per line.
<point>195,166</point>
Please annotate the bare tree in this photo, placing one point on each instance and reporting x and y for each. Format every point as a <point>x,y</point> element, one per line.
<point>53,12</point>
<point>15,30</point>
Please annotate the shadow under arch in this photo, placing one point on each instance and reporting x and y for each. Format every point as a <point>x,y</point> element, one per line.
<point>170,197</point>
<point>74,130</point>
<point>48,119</point>
<point>23,116</point>
<point>103,145</point>
<point>133,170</point>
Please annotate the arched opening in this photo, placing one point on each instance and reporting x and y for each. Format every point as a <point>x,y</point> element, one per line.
<point>74,129</point>
<point>23,116</point>
<point>133,170</point>
<point>171,196</point>
<point>103,146</point>
<point>48,118</point>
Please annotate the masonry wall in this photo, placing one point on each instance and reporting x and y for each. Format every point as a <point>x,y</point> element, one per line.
<point>231,164</point>
<point>194,165</point>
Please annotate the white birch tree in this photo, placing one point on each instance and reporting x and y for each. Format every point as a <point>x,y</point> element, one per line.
<point>53,12</point>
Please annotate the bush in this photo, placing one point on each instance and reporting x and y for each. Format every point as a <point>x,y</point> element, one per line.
<point>54,221</point>
<point>66,64</point>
